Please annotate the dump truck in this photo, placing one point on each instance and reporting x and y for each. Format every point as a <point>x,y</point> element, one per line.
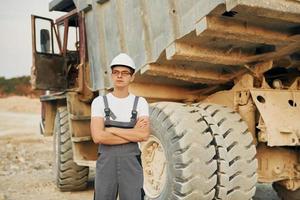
<point>222,78</point>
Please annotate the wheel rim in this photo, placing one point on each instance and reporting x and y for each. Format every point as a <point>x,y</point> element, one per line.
<point>155,166</point>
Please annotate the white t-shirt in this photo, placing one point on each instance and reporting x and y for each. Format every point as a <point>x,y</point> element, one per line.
<point>121,107</point>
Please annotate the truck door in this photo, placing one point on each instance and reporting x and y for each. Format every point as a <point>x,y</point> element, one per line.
<point>49,66</point>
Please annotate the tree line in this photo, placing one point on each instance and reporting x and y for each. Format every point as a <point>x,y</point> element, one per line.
<point>17,86</point>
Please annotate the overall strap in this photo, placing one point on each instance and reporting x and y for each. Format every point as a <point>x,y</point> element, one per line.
<point>107,111</point>
<point>134,111</point>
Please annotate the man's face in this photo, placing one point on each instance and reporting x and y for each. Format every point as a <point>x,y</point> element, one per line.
<point>121,76</point>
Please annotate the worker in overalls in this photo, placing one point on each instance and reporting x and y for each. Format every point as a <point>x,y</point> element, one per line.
<point>119,120</point>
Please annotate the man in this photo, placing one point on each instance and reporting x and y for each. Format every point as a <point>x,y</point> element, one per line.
<point>119,120</point>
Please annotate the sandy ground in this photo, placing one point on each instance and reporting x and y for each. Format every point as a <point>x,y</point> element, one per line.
<point>26,157</point>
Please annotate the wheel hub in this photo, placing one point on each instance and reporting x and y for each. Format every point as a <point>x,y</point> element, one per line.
<point>155,166</point>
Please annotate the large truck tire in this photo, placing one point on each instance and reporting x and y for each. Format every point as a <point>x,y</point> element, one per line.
<point>286,194</point>
<point>240,151</point>
<point>182,156</point>
<point>69,175</point>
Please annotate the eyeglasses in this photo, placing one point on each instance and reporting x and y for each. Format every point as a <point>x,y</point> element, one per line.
<point>122,73</point>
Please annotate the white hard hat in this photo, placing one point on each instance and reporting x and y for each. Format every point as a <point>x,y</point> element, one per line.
<point>124,60</point>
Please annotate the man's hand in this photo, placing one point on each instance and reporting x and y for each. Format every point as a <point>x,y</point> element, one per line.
<point>141,123</point>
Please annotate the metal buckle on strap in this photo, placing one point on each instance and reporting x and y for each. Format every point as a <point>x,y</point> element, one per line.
<point>107,112</point>
<point>133,115</point>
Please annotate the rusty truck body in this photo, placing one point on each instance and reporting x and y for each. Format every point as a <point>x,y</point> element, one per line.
<point>222,78</point>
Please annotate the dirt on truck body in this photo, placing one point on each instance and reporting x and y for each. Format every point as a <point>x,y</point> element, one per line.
<point>222,78</point>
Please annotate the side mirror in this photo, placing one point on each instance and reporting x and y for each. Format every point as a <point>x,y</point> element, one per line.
<point>45,41</point>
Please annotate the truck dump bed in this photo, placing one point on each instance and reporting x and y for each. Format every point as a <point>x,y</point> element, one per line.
<point>192,43</point>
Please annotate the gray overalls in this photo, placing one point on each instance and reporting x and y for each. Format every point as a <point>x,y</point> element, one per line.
<point>119,169</point>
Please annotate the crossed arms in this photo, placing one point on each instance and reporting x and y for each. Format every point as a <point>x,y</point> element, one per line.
<point>114,136</point>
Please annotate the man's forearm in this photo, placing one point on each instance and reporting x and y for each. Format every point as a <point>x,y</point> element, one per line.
<point>105,137</point>
<point>133,134</point>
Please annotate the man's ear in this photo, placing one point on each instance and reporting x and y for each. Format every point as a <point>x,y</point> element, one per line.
<point>132,78</point>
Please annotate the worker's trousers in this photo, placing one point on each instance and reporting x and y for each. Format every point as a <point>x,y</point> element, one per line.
<point>119,171</point>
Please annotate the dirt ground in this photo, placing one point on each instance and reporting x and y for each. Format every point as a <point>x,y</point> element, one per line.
<point>26,157</point>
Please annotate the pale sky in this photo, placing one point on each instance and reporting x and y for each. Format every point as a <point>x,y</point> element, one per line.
<point>15,34</point>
